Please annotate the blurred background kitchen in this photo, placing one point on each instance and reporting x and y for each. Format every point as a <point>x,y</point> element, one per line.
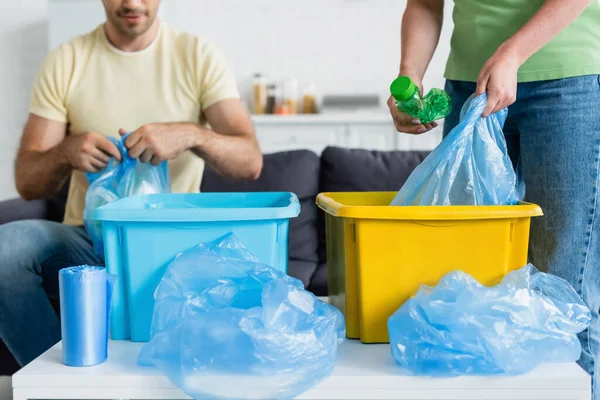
<point>313,73</point>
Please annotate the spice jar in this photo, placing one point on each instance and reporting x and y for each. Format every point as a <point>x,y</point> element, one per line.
<point>260,94</point>
<point>309,100</point>
<point>271,99</point>
<point>290,95</point>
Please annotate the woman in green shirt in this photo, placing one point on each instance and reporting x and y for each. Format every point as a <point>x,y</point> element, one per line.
<point>541,59</point>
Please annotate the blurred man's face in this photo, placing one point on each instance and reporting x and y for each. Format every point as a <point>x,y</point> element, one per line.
<point>131,18</point>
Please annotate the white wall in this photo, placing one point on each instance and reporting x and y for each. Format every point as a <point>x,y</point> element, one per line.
<point>23,26</point>
<point>343,46</point>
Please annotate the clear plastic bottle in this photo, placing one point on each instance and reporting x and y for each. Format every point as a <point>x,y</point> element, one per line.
<point>437,104</point>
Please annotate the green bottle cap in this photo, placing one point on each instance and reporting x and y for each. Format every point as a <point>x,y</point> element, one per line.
<point>403,88</point>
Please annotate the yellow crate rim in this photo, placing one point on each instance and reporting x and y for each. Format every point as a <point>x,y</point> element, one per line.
<point>333,203</point>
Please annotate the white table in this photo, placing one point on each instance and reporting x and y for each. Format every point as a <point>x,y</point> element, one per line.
<point>362,372</point>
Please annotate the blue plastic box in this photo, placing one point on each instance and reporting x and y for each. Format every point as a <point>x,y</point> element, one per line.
<point>142,235</point>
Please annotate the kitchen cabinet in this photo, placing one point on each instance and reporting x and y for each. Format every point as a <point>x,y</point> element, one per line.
<point>315,132</point>
<point>282,137</point>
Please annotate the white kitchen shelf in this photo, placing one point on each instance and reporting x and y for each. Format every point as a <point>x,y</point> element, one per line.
<point>324,119</point>
<point>366,130</point>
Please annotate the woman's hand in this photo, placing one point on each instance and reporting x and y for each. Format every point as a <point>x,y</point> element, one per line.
<point>404,122</point>
<point>498,78</point>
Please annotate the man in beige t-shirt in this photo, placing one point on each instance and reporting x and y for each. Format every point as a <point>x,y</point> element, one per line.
<point>132,73</point>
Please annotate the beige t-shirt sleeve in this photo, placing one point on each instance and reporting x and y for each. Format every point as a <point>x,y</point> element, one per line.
<point>49,92</point>
<point>216,80</point>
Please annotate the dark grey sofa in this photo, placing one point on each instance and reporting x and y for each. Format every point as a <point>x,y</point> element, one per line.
<point>301,172</point>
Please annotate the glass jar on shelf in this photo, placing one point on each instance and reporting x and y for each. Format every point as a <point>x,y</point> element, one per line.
<point>272,99</point>
<point>309,100</point>
<point>290,95</point>
<point>259,86</point>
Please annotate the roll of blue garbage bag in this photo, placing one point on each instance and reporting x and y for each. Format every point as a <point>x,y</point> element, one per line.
<point>85,293</point>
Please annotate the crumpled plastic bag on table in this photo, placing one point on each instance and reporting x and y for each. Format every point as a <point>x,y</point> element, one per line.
<point>461,327</point>
<point>226,326</point>
<point>470,166</point>
<point>118,180</point>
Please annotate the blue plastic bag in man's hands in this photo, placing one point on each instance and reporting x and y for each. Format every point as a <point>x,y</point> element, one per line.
<point>119,180</point>
<point>226,326</point>
<point>471,165</point>
<point>461,327</point>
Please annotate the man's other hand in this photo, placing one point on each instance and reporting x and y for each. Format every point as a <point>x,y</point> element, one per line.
<point>89,152</point>
<point>158,142</point>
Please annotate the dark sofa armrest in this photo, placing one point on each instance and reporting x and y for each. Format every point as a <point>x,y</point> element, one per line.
<point>19,209</point>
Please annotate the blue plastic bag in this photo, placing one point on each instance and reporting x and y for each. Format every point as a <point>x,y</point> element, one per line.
<point>119,180</point>
<point>471,165</point>
<point>226,326</point>
<point>461,327</point>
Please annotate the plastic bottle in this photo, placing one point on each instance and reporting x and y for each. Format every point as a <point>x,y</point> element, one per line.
<point>437,104</point>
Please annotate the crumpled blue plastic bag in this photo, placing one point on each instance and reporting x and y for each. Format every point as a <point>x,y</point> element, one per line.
<point>470,166</point>
<point>118,180</point>
<point>461,327</point>
<point>226,326</point>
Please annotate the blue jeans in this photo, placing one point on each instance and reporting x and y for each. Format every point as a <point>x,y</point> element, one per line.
<point>31,254</point>
<point>553,135</point>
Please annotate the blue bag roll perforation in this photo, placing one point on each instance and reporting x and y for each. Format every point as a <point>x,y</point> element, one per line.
<point>85,293</point>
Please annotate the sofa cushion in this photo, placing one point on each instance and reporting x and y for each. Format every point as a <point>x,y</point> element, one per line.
<point>292,171</point>
<point>19,209</point>
<point>318,282</point>
<point>303,270</point>
<point>56,204</point>
<point>359,170</point>
<point>52,209</point>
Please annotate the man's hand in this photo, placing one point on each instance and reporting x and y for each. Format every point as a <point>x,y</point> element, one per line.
<point>158,142</point>
<point>229,147</point>
<point>47,156</point>
<point>404,122</point>
<point>89,152</point>
<point>498,78</point>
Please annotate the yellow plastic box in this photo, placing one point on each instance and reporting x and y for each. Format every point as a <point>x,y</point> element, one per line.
<point>379,255</point>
